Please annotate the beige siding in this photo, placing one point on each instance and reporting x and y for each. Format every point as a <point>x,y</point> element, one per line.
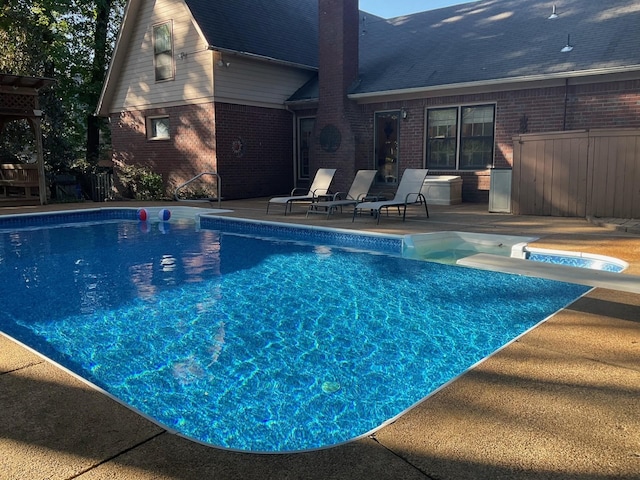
<point>193,83</point>
<point>248,81</point>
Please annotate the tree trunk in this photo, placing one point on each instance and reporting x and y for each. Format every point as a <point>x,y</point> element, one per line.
<point>103,9</point>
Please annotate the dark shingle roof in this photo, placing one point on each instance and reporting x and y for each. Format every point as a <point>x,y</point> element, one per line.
<point>492,40</point>
<point>285,30</point>
<point>483,41</point>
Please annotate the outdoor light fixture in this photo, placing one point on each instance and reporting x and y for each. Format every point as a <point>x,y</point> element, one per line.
<point>182,55</point>
<point>568,47</point>
<point>553,14</point>
<point>404,114</point>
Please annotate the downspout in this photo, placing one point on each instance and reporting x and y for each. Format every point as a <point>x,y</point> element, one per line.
<point>566,101</point>
<point>295,151</point>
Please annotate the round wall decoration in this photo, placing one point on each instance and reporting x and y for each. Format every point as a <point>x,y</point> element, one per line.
<point>238,147</point>
<point>330,138</point>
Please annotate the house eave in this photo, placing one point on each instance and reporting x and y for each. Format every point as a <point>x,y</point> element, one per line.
<point>118,57</point>
<point>263,58</point>
<point>301,104</point>
<point>514,83</point>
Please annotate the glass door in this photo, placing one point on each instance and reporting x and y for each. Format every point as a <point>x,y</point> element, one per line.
<point>387,125</point>
<point>305,130</point>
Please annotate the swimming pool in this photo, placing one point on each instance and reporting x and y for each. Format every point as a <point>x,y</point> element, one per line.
<point>255,337</point>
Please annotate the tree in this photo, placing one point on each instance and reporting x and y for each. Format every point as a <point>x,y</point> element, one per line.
<point>98,69</point>
<point>72,42</point>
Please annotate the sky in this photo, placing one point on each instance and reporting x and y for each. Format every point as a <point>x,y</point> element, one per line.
<point>395,8</point>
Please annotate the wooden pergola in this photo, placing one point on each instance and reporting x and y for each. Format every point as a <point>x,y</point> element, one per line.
<point>19,101</point>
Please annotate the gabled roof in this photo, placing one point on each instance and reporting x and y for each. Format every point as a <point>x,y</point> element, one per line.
<point>495,41</point>
<point>487,42</point>
<point>284,30</point>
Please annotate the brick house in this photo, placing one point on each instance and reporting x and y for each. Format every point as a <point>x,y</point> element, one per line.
<point>264,93</point>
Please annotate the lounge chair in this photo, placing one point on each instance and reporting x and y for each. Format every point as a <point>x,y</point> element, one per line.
<point>408,193</point>
<point>358,191</point>
<point>320,186</point>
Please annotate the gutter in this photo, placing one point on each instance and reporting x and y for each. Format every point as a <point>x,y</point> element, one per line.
<point>561,76</point>
<point>300,104</point>
<point>263,58</point>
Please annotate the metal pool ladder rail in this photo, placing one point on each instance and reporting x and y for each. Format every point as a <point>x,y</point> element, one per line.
<point>197,177</point>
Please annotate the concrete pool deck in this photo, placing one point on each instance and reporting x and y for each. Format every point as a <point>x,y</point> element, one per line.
<point>562,402</point>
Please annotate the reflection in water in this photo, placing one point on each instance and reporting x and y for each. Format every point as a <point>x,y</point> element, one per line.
<point>218,342</point>
<point>141,275</point>
<point>188,370</point>
<point>322,251</point>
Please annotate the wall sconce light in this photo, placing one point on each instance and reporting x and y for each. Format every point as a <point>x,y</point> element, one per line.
<point>404,114</point>
<point>182,55</point>
<point>568,47</point>
<point>221,63</point>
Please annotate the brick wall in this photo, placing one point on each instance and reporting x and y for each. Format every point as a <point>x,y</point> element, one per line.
<point>202,139</point>
<point>190,150</point>
<point>599,105</point>
<point>264,167</point>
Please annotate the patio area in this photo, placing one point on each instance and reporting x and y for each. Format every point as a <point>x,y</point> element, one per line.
<point>561,403</point>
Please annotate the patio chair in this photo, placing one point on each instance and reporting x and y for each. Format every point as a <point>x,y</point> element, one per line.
<point>320,186</point>
<point>358,191</point>
<point>409,192</point>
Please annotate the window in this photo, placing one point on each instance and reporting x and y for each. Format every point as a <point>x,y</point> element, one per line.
<point>158,128</point>
<point>163,51</point>
<point>387,129</point>
<point>465,144</point>
<point>442,125</point>
<point>476,137</point>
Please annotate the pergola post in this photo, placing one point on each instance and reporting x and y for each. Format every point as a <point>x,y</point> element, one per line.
<point>37,130</point>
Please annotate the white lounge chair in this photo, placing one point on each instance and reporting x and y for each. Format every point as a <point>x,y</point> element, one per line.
<point>320,186</point>
<point>408,193</point>
<point>358,191</point>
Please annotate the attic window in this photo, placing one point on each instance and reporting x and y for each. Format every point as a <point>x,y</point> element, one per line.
<point>163,51</point>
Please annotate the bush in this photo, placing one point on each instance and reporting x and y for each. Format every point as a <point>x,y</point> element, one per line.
<point>140,182</point>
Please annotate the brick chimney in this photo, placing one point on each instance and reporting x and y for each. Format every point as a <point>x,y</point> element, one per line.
<point>335,141</point>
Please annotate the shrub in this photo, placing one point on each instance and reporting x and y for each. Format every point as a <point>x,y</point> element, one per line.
<point>140,182</point>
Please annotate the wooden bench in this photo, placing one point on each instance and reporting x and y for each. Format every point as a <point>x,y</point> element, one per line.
<point>19,180</point>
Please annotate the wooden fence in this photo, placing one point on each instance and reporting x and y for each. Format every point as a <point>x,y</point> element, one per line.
<point>577,174</point>
<point>101,187</point>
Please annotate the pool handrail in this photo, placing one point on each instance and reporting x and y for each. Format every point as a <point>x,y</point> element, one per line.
<point>218,188</point>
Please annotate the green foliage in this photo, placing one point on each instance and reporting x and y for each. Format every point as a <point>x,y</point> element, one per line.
<point>198,192</point>
<point>70,41</point>
<point>16,145</point>
<point>140,182</point>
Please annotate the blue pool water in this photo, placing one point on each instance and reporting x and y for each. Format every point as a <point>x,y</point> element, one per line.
<point>576,261</point>
<point>257,344</point>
